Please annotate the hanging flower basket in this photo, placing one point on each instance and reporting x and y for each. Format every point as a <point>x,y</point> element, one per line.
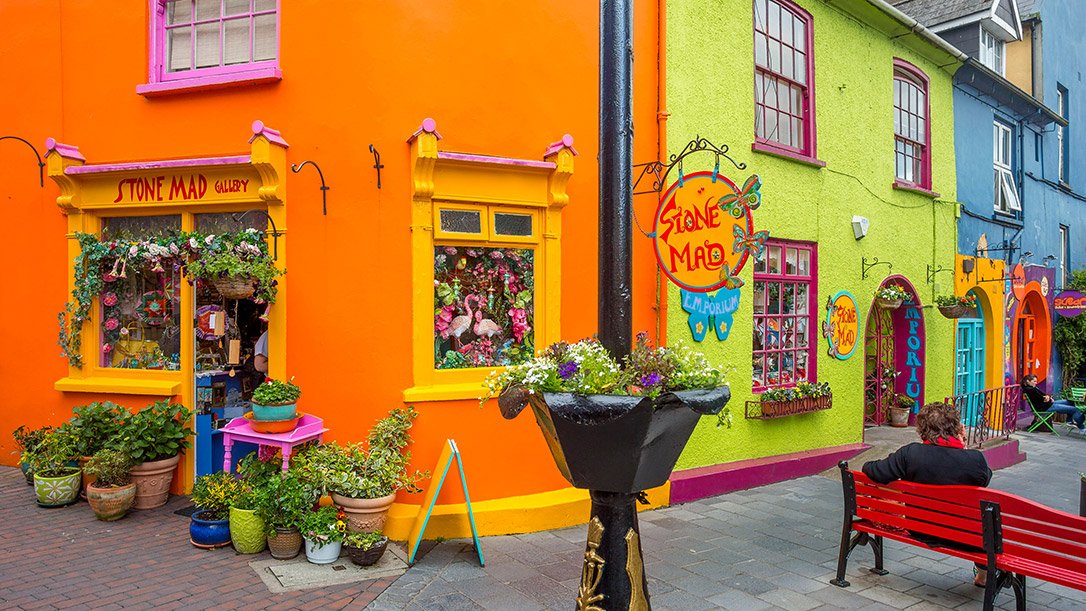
<point>957,311</point>
<point>235,288</point>
<point>888,304</point>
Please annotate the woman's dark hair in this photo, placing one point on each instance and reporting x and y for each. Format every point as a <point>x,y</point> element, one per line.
<point>1029,378</point>
<point>937,420</point>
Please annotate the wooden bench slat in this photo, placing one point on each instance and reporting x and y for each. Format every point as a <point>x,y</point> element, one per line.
<point>1014,533</point>
<point>1011,505</point>
<point>1042,556</point>
<point>971,509</point>
<point>1039,570</point>
<point>904,537</point>
<point>1075,535</point>
<point>921,520</point>
<point>974,539</point>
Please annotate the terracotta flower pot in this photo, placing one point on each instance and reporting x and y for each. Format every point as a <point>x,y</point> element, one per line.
<point>899,416</point>
<point>365,515</point>
<point>152,480</point>
<point>285,543</point>
<point>88,479</point>
<point>247,531</point>
<point>111,504</point>
<point>366,557</point>
<point>57,491</point>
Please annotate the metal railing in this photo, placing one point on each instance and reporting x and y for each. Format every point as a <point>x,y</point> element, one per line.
<point>988,414</point>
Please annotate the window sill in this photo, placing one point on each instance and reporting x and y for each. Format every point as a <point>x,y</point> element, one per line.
<point>1008,218</point>
<point>120,386</point>
<point>914,188</point>
<point>444,392</point>
<point>210,82</point>
<point>767,149</point>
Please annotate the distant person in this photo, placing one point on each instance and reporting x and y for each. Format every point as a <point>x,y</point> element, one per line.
<point>260,353</point>
<point>1044,403</point>
<point>941,460</point>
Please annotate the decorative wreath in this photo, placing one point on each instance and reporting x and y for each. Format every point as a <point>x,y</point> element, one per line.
<point>204,328</point>
<point>154,307</point>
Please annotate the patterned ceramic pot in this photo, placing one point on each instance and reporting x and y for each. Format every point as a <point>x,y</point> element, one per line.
<point>247,531</point>
<point>111,504</point>
<point>325,554</point>
<point>58,491</point>
<point>285,543</point>
<point>152,480</point>
<point>365,515</point>
<point>208,534</point>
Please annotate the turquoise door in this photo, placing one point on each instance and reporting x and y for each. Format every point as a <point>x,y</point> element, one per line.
<point>970,356</point>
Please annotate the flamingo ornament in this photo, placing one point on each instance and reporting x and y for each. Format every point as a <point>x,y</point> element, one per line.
<point>484,327</point>
<point>462,323</point>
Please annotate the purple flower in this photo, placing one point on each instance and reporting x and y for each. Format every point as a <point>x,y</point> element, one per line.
<point>650,380</point>
<point>566,370</point>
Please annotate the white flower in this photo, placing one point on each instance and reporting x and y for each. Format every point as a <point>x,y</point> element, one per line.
<point>193,244</point>
<point>132,251</point>
<point>209,239</point>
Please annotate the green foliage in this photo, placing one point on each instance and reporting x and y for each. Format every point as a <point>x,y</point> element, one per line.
<point>803,390</point>
<point>1070,335</point>
<point>54,456</point>
<point>216,493</point>
<point>892,292</point>
<point>904,400</point>
<point>111,467</point>
<point>953,300</point>
<point>323,526</point>
<point>241,255</point>
<point>276,392</point>
<point>156,432</point>
<point>95,424</point>
<point>283,500</point>
<point>29,439</point>
<point>363,541</point>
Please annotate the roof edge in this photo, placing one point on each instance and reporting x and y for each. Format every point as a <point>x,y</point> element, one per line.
<point>920,30</point>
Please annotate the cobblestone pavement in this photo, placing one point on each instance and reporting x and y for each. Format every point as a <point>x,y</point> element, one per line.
<point>771,547</point>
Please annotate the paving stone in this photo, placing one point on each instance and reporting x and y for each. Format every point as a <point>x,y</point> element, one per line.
<point>737,599</point>
<point>787,599</point>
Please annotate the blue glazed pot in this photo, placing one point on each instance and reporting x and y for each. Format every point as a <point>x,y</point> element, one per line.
<point>209,533</point>
<point>275,412</point>
<point>27,473</point>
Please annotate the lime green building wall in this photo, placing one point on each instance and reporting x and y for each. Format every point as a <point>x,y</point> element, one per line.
<point>710,75</point>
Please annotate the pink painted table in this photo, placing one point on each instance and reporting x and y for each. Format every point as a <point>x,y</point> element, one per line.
<point>309,428</point>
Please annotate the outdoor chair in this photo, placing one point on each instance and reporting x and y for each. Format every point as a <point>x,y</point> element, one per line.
<point>1040,418</point>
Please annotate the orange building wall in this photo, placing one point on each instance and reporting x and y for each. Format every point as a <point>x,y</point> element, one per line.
<point>499,78</point>
<point>1020,60</point>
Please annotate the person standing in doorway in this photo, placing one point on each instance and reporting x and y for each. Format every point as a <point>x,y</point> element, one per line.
<point>260,353</point>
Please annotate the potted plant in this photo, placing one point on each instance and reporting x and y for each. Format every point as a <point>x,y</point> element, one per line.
<point>900,407</point>
<point>283,501</point>
<point>154,437</point>
<point>246,526</point>
<point>891,296</point>
<point>213,496</point>
<point>364,549</point>
<point>56,472</point>
<point>92,427</point>
<point>363,479</point>
<point>238,265</point>
<point>952,306</point>
<point>26,441</point>
<point>803,398</point>
<point>111,493</point>
<point>275,400</point>
<point>323,530</point>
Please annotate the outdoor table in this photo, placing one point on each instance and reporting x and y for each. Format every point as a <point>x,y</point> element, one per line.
<point>309,428</point>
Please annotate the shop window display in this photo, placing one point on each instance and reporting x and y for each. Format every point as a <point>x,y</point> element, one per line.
<point>784,300</point>
<point>483,306</point>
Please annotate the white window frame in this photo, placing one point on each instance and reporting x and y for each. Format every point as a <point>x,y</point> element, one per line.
<point>1061,109</point>
<point>1006,194</point>
<point>1064,250</point>
<point>993,52</point>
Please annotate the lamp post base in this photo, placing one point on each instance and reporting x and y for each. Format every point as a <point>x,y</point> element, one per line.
<point>613,574</point>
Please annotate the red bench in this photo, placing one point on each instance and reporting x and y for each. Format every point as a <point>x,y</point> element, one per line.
<point>1013,537</point>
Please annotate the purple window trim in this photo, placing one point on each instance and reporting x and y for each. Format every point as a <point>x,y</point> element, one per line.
<point>902,185</point>
<point>531,163</point>
<point>813,323</point>
<point>157,76</point>
<point>776,150</point>
<point>152,165</point>
<point>212,81</point>
<point>918,75</point>
<point>810,132</point>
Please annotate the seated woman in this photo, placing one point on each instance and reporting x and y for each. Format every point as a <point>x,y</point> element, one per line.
<point>941,460</point>
<point>1044,403</point>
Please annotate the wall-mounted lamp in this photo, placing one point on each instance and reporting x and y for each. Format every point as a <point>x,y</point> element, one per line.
<point>859,226</point>
<point>1026,255</point>
<point>968,265</point>
<point>1049,258</point>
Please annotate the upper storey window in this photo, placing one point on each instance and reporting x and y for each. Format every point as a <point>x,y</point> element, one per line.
<point>912,153</point>
<point>991,52</point>
<point>783,78</point>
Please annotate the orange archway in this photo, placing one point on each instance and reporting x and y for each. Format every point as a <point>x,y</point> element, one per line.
<point>1031,335</point>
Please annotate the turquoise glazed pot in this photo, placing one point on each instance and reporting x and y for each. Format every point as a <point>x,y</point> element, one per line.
<point>275,412</point>
<point>208,534</point>
<point>58,491</point>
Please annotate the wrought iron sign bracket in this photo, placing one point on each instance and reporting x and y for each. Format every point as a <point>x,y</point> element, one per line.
<point>936,270</point>
<point>274,232</point>
<point>377,165</point>
<point>297,167</point>
<point>865,266</point>
<point>41,163</point>
<point>660,171</point>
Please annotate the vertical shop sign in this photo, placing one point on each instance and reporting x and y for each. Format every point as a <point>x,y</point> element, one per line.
<point>842,325</point>
<point>914,343</point>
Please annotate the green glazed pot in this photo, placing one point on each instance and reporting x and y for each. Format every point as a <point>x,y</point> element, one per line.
<point>247,531</point>
<point>57,491</point>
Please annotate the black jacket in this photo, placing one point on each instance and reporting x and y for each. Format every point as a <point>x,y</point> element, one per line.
<point>1036,396</point>
<point>931,464</point>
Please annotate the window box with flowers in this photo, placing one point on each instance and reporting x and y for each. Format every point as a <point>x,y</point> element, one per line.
<point>952,306</point>
<point>805,398</point>
<point>891,296</point>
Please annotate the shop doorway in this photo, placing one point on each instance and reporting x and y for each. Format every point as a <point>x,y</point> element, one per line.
<point>1032,336</point>
<point>969,349</point>
<point>894,343</point>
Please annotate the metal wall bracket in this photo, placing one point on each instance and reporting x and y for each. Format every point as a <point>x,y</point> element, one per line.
<point>274,232</point>
<point>659,170</point>
<point>377,165</point>
<point>41,164</point>
<point>297,167</point>
<point>865,266</point>
<point>933,270</point>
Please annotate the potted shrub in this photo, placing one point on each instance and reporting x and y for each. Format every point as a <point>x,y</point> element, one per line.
<point>323,530</point>
<point>275,400</point>
<point>952,306</point>
<point>26,441</point>
<point>365,549</point>
<point>92,427</point>
<point>891,296</point>
<point>803,398</point>
<point>900,407</point>
<point>56,472</point>
<point>238,264</point>
<point>213,495</point>
<point>111,493</point>
<point>363,478</point>
<point>154,437</point>
<point>246,526</point>
<point>283,501</point>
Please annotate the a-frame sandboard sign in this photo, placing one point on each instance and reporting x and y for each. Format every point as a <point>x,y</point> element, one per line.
<point>443,463</point>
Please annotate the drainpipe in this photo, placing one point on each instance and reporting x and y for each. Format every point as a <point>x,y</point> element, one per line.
<point>661,154</point>
<point>1037,73</point>
<point>615,313</point>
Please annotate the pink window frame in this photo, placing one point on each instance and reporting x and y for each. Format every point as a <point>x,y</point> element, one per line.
<point>918,77</point>
<point>811,280</point>
<point>161,81</point>
<point>810,134</point>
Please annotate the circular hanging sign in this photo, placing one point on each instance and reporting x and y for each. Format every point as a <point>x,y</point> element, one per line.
<point>842,326</point>
<point>703,232</point>
<point>1018,282</point>
<point>1069,303</point>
